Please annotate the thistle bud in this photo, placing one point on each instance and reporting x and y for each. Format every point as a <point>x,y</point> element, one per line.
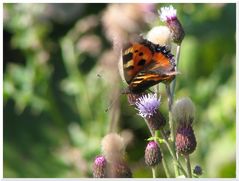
<point>185,139</point>
<point>152,154</point>
<point>99,167</point>
<point>197,170</point>
<point>183,113</point>
<point>148,105</point>
<point>118,169</point>
<point>169,15</point>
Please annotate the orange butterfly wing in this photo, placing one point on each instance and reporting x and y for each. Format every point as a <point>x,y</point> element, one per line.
<point>135,58</point>
<point>146,64</point>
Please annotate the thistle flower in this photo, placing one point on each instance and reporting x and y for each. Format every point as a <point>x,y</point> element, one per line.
<point>152,154</point>
<point>183,112</point>
<point>169,15</point>
<point>99,167</point>
<point>197,170</point>
<point>148,105</point>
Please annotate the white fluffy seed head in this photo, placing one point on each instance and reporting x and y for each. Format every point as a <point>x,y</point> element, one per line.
<point>159,35</point>
<point>183,110</point>
<point>113,147</point>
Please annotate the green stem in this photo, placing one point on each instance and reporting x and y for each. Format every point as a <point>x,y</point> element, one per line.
<point>178,50</point>
<point>165,166</point>
<point>171,125</point>
<point>170,103</point>
<point>176,162</point>
<point>187,159</point>
<point>154,172</point>
<point>170,93</point>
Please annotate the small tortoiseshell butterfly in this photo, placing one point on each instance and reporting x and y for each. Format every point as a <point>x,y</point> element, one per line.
<point>146,64</point>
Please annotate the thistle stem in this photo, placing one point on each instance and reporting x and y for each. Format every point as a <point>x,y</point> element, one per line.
<point>165,166</point>
<point>187,159</point>
<point>171,125</point>
<point>178,50</point>
<point>154,172</point>
<point>170,93</point>
<point>176,162</point>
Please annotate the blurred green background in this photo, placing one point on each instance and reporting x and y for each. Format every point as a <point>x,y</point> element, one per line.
<point>60,74</point>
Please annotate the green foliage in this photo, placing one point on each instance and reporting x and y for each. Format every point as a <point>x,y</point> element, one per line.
<point>56,89</point>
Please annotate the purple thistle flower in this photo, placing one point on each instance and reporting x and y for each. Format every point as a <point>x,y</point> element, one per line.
<point>169,15</point>
<point>147,105</point>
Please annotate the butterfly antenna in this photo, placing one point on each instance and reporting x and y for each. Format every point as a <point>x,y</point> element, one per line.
<point>112,103</point>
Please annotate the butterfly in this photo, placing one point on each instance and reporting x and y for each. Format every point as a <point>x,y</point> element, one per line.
<point>146,64</point>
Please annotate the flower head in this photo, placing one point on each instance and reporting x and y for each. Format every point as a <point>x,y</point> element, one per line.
<point>152,154</point>
<point>197,170</point>
<point>99,167</point>
<point>185,139</point>
<point>147,105</point>
<point>167,13</point>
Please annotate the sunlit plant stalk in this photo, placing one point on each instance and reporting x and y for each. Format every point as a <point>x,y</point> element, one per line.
<point>168,15</point>
<point>148,109</point>
<point>187,159</point>
<point>165,166</point>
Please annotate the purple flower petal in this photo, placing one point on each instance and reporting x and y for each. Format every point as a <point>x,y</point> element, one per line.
<point>147,105</point>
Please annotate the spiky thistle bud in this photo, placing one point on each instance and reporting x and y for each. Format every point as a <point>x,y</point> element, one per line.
<point>152,154</point>
<point>197,170</point>
<point>148,105</point>
<point>183,113</point>
<point>99,167</point>
<point>185,139</point>
<point>169,15</point>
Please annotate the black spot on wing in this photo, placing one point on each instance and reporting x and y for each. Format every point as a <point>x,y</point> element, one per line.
<point>141,54</point>
<point>127,57</point>
<point>141,62</point>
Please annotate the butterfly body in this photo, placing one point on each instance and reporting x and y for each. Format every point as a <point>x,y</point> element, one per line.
<point>146,64</point>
